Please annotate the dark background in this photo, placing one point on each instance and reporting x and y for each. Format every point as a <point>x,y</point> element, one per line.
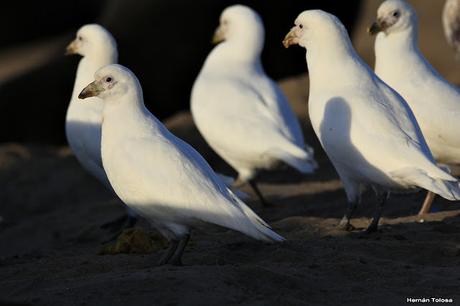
<point>163,42</point>
<point>51,209</point>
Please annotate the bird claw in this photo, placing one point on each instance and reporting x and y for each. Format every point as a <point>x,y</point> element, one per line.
<point>346,227</point>
<point>371,229</point>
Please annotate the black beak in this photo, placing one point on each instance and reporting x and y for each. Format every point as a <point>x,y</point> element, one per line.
<point>92,90</point>
<point>374,28</point>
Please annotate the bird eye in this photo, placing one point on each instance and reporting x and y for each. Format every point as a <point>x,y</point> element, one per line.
<point>108,79</point>
<point>395,13</point>
<point>79,37</point>
<point>301,26</point>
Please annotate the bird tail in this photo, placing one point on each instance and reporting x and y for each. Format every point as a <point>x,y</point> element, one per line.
<point>435,180</point>
<point>298,158</point>
<point>257,228</point>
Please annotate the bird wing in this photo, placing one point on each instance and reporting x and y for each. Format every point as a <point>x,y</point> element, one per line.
<point>172,175</point>
<point>388,135</point>
<point>279,107</point>
<point>398,112</point>
<point>239,111</point>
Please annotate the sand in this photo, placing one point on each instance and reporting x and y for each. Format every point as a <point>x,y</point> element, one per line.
<point>50,237</point>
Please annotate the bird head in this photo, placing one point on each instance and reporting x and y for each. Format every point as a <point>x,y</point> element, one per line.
<point>91,39</point>
<point>238,22</point>
<point>314,27</point>
<point>393,16</point>
<point>111,82</point>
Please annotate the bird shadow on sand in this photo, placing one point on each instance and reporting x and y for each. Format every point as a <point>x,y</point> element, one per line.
<point>335,131</point>
<point>332,202</point>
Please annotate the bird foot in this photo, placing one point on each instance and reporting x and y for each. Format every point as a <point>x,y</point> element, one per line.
<point>346,227</point>
<point>371,229</point>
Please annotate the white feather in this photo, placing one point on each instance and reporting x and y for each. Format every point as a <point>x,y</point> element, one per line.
<point>435,102</point>
<point>83,120</point>
<point>239,110</point>
<point>158,175</point>
<point>451,24</point>
<point>367,129</point>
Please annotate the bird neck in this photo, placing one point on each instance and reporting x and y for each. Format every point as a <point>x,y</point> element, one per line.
<point>88,66</point>
<point>398,56</point>
<point>235,53</point>
<point>128,118</point>
<point>105,56</point>
<point>129,109</point>
<point>397,43</point>
<point>333,62</point>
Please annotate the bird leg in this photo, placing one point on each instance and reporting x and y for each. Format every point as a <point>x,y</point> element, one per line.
<point>254,187</point>
<point>176,260</point>
<point>427,203</point>
<point>173,244</point>
<point>345,222</point>
<point>377,214</point>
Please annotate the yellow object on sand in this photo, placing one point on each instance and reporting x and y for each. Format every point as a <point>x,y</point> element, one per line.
<point>134,241</point>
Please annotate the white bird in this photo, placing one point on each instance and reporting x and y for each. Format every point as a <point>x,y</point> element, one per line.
<point>83,120</point>
<point>399,63</point>
<point>367,130</point>
<point>451,24</point>
<point>158,175</point>
<point>239,110</point>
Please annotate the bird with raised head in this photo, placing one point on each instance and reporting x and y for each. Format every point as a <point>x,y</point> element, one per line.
<point>83,121</point>
<point>400,63</point>
<point>158,175</point>
<point>366,128</point>
<point>241,113</point>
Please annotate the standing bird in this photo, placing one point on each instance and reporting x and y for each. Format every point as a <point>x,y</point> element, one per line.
<point>158,175</point>
<point>239,110</point>
<point>366,128</point>
<point>83,120</point>
<point>399,62</point>
<point>451,23</point>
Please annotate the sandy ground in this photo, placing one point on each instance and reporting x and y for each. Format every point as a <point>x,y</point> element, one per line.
<point>50,235</point>
<point>50,238</point>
